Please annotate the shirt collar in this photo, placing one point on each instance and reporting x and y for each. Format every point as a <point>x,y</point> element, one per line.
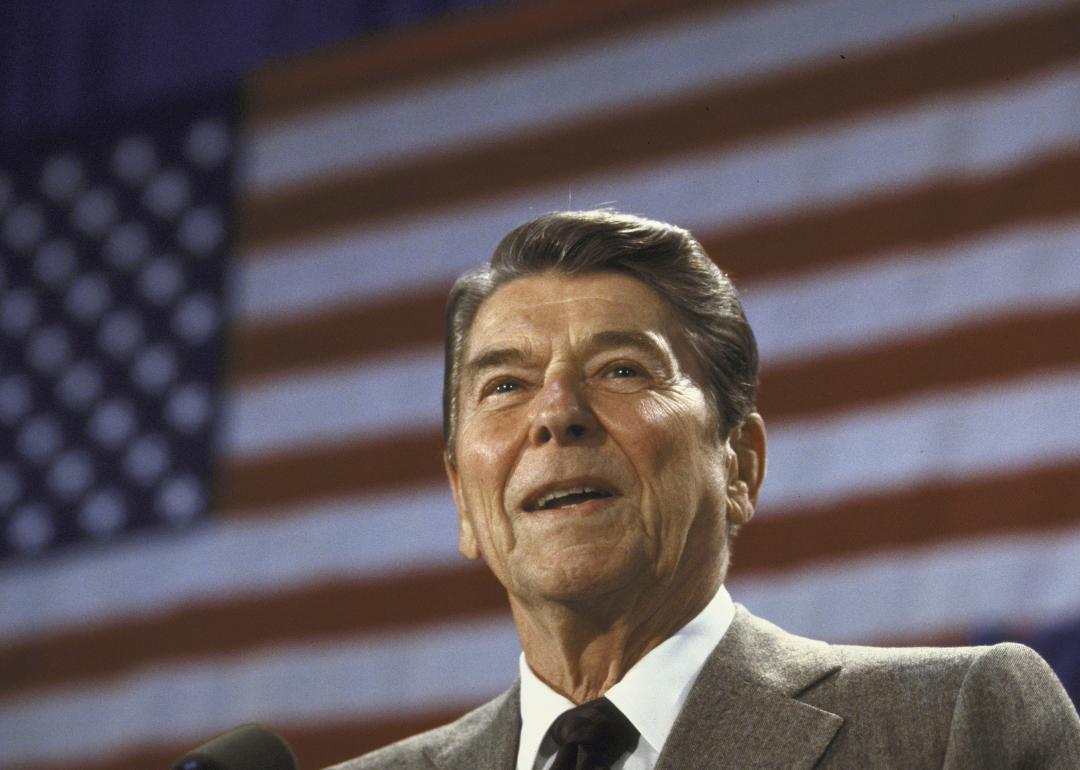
<point>651,694</point>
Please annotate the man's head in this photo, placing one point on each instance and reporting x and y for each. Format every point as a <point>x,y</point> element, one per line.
<point>665,258</point>
<point>599,394</point>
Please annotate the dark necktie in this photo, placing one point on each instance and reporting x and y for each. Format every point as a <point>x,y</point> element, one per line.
<point>592,736</point>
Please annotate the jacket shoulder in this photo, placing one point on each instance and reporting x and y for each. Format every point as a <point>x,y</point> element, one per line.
<point>990,673</point>
<point>999,706</point>
<point>951,707</point>
<point>420,751</point>
<point>1013,709</point>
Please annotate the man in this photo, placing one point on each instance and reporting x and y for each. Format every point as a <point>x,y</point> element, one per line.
<point>602,449</point>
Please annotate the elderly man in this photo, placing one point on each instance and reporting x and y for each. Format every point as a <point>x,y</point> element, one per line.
<point>603,449</point>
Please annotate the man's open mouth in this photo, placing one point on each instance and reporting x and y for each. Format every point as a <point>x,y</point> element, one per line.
<point>563,498</point>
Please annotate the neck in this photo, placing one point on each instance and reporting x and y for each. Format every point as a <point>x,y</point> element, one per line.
<point>581,648</point>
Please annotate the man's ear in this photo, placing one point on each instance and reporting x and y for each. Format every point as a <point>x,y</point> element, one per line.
<point>466,536</point>
<point>748,447</point>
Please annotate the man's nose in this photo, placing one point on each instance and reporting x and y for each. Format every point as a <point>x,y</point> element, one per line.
<point>562,413</point>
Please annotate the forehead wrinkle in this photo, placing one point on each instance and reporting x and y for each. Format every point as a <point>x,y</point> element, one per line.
<point>492,358</point>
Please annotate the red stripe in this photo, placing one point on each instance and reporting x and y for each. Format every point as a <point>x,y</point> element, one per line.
<point>340,335</point>
<point>436,48</point>
<point>999,349</point>
<point>1043,191</point>
<point>361,467</point>
<point>228,626</point>
<point>1044,499</point>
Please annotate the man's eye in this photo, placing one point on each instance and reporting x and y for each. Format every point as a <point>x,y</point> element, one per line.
<point>504,387</point>
<point>624,371</point>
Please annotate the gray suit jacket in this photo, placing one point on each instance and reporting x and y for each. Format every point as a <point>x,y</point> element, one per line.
<point>767,699</point>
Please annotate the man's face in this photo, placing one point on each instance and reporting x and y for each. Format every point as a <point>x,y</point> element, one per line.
<point>587,456</point>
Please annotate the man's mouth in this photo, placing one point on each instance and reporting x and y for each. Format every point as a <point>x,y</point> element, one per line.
<point>564,498</point>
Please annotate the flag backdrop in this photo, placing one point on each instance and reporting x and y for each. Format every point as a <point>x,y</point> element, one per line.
<point>895,188</point>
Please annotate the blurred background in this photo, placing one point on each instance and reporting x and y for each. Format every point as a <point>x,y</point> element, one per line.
<point>227,231</point>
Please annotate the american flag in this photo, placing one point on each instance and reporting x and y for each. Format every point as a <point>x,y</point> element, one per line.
<point>113,243</point>
<point>895,189</point>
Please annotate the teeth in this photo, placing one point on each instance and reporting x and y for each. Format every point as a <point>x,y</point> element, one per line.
<point>551,496</point>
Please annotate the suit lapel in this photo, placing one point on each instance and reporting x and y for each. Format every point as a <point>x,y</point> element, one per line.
<point>742,711</point>
<point>487,739</point>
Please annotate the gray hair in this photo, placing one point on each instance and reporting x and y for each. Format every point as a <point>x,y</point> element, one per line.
<point>665,258</point>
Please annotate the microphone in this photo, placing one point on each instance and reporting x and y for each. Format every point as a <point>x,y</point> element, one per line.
<point>251,747</point>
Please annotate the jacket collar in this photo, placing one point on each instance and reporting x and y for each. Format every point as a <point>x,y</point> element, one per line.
<point>743,710</point>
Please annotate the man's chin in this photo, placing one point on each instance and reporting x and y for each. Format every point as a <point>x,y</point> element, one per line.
<point>582,577</point>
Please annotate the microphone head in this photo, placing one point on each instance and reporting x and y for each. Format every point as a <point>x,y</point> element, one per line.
<point>251,747</point>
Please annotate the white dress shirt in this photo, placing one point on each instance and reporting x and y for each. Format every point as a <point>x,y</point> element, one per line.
<point>651,694</point>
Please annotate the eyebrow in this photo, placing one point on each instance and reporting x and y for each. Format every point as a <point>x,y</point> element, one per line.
<point>614,338</point>
<point>618,338</point>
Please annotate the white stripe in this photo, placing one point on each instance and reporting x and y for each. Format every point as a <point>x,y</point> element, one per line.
<point>967,433</point>
<point>863,306</point>
<point>346,539</point>
<point>301,685</point>
<point>1013,579</point>
<point>288,412</point>
<point>705,51</point>
<point>704,191</point>
<point>914,293</point>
